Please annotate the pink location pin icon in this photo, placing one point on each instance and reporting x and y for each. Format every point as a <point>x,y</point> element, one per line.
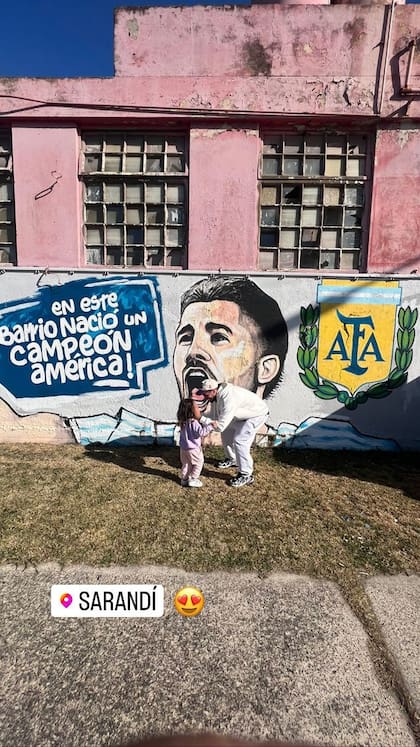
<point>66,599</point>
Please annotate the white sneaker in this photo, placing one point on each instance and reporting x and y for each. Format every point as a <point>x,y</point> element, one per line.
<point>194,483</point>
<point>226,464</point>
<point>240,480</point>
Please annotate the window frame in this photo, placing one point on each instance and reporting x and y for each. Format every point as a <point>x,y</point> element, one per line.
<point>8,205</point>
<point>341,182</point>
<point>143,256</point>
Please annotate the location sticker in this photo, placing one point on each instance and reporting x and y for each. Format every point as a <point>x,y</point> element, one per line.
<point>107,600</point>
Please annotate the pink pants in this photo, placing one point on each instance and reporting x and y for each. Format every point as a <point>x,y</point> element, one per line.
<point>192,461</point>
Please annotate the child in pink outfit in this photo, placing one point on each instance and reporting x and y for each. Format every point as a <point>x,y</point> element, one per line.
<point>193,428</point>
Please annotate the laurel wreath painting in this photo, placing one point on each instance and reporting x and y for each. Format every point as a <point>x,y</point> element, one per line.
<point>324,389</point>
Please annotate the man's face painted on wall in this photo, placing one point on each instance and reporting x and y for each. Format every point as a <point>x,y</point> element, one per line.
<point>215,341</point>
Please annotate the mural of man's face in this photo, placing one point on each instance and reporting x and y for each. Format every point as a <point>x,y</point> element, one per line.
<point>214,340</point>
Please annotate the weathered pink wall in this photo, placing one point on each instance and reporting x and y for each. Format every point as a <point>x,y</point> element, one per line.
<point>223,225</point>
<point>48,229</point>
<point>226,72</point>
<point>276,40</point>
<point>302,60</point>
<point>395,214</point>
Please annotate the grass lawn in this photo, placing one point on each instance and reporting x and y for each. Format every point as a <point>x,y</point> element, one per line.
<point>322,514</point>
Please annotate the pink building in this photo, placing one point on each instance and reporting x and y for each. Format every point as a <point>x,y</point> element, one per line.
<point>267,154</point>
<point>270,137</point>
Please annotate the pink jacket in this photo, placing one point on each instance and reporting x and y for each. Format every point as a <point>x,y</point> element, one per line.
<point>192,433</point>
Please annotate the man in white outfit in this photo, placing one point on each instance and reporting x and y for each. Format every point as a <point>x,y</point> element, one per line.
<point>239,413</point>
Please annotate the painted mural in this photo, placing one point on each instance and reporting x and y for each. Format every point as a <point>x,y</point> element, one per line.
<point>347,342</point>
<point>105,359</point>
<point>229,330</point>
<point>76,338</point>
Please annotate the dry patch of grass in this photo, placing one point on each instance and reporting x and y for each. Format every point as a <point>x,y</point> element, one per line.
<point>317,513</point>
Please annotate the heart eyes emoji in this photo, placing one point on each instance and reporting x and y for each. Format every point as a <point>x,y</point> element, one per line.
<point>189,601</point>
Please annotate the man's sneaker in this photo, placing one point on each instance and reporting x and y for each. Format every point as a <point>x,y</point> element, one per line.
<point>226,463</point>
<point>239,480</point>
<point>195,483</point>
<point>184,483</point>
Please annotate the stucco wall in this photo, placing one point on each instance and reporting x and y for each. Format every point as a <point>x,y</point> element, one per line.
<point>223,199</point>
<point>223,215</point>
<point>395,216</point>
<point>304,60</point>
<point>242,41</point>
<point>47,196</point>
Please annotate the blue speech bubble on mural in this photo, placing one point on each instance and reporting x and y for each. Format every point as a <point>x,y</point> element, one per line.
<point>84,336</point>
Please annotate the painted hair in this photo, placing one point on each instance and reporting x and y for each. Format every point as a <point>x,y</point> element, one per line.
<point>255,304</point>
<point>185,411</point>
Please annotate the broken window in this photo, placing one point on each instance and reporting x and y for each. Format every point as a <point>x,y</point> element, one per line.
<point>7,209</point>
<point>312,201</point>
<point>135,191</point>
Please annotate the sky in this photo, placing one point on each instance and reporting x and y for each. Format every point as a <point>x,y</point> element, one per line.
<point>64,38</point>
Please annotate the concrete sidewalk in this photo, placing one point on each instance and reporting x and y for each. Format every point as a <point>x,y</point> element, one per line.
<point>279,657</point>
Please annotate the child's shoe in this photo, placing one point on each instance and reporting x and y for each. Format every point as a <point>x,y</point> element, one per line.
<point>194,483</point>
<point>184,483</point>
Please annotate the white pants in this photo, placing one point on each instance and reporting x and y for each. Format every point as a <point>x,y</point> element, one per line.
<point>237,440</point>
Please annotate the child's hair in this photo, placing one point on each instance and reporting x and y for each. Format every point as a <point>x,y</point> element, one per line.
<point>185,411</point>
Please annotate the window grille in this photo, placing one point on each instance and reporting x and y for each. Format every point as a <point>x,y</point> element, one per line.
<point>7,207</point>
<point>135,196</point>
<point>313,193</point>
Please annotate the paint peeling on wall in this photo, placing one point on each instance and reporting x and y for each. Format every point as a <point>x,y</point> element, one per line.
<point>132,28</point>
<point>215,132</point>
<point>126,428</point>
<point>404,136</point>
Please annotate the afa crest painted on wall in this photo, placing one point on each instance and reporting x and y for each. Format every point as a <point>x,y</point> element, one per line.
<point>357,343</point>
